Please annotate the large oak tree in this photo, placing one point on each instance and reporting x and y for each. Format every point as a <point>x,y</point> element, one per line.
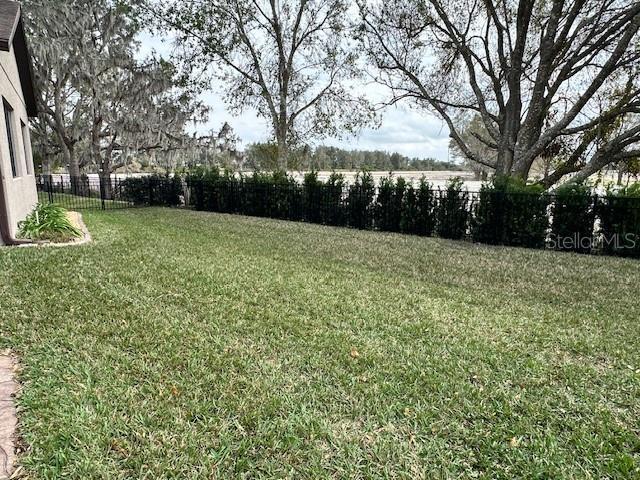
<point>291,60</point>
<point>98,99</point>
<point>537,73</point>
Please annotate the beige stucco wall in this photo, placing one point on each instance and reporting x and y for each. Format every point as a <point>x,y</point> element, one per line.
<point>20,191</point>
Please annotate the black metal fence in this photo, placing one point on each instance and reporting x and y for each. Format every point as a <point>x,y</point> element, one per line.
<point>84,193</point>
<point>584,224</point>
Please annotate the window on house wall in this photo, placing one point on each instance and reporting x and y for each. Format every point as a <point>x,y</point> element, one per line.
<point>28,162</point>
<point>8,120</point>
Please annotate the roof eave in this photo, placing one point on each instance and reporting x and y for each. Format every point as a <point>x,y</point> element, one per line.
<point>5,43</point>
<point>25,70</point>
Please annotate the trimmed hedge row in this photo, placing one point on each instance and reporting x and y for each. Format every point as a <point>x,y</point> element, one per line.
<point>505,212</point>
<point>619,215</point>
<point>153,190</point>
<point>573,216</point>
<point>509,212</point>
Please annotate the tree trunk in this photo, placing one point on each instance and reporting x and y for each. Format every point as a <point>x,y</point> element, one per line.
<point>46,165</point>
<point>283,150</point>
<point>520,171</point>
<point>547,167</point>
<point>106,187</point>
<point>106,166</point>
<point>73,166</point>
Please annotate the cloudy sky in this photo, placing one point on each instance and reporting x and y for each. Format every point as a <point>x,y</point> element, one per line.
<point>403,130</point>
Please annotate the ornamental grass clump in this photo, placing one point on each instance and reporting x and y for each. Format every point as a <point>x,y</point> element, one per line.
<point>48,222</point>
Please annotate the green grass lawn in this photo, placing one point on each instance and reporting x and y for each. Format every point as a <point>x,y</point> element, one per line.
<point>192,345</point>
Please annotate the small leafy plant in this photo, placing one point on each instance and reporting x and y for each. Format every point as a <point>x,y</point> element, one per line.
<point>48,222</point>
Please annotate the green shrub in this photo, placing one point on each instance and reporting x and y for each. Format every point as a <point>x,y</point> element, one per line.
<point>388,208</point>
<point>134,190</point>
<point>409,214</point>
<point>214,191</point>
<point>360,201</point>
<point>284,197</point>
<point>572,218</point>
<point>312,197</point>
<point>619,214</point>
<point>418,210</point>
<point>254,195</point>
<point>155,190</point>
<point>426,220</point>
<point>510,212</point>
<point>275,195</point>
<point>48,221</point>
<point>175,193</point>
<point>165,190</point>
<point>333,206</point>
<point>202,184</point>
<point>227,192</point>
<point>452,210</point>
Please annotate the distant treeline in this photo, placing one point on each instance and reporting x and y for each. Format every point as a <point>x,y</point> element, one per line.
<point>263,156</point>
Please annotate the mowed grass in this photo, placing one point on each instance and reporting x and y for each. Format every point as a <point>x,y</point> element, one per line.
<point>77,202</point>
<point>193,345</point>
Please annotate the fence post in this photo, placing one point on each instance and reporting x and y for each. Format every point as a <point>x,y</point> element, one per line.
<point>102,193</point>
<point>49,187</point>
<point>150,183</point>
